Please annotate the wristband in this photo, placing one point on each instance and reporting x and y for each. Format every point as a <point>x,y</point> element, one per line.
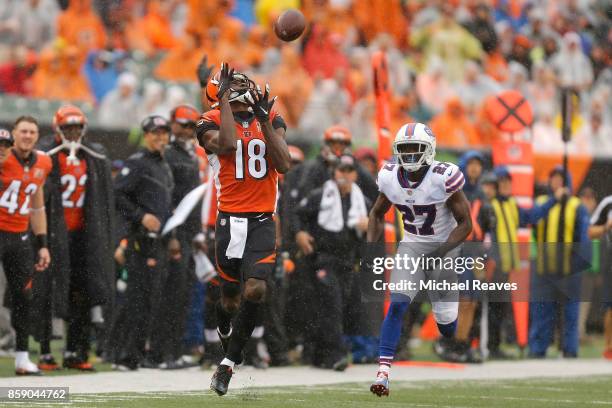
<point>41,241</point>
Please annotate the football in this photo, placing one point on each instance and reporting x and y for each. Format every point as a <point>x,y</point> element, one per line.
<point>290,25</point>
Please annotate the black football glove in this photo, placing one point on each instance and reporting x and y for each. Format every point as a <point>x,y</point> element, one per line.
<point>261,104</point>
<point>204,71</point>
<point>225,80</point>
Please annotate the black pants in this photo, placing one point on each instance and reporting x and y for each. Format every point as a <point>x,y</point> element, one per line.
<point>498,311</point>
<point>274,334</point>
<point>171,314</point>
<point>134,321</point>
<point>79,299</point>
<point>331,281</point>
<point>17,257</point>
<point>299,298</point>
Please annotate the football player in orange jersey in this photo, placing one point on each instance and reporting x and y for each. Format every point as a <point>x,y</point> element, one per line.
<point>22,209</point>
<point>245,143</point>
<point>80,209</point>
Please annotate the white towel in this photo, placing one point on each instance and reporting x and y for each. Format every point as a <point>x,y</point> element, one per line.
<point>330,212</point>
<point>238,234</point>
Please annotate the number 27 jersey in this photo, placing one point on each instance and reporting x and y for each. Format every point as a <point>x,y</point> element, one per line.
<point>246,180</point>
<point>425,215</point>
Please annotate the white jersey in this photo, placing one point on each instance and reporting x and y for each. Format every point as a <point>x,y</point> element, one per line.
<point>423,205</point>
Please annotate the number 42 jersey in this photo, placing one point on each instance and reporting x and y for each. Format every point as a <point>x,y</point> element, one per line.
<point>425,215</point>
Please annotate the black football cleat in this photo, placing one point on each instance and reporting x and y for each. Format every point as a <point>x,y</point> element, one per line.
<point>220,380</point>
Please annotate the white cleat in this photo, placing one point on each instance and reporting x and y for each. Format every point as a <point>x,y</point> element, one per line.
<point>380,387</point>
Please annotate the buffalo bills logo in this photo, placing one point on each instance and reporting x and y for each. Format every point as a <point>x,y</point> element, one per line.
<point>429,132</point>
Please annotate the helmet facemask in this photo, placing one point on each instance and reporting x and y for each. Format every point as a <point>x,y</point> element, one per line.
<point>413,154</point>
<point>240,89</point>
<point>72,134</point>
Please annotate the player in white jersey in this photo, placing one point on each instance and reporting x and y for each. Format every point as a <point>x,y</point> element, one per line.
<point>437,220</point>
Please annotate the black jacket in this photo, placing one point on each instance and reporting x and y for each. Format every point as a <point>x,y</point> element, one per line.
<point>343,245</point>
<point>144,186</point>
<point>99,231</point>
<point>185,169</point>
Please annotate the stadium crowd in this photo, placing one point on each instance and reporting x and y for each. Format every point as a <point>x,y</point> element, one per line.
<point>135,63</point>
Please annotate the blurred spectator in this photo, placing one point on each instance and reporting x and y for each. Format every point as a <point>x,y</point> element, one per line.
<point>367,158</point>
<point>175,96</point>
<point>482,28</point>
<point>495,65</point>
<point>80,26</point>
<point>453,128</point>
<point>521,48</point>
<point>58,76</point>
<point>416,109</point>
<point>323,54</point>
<point>181,62</point>
<point>573,67</point>
<point>35,23</point>
<point>155,24</point>
<point>206,14</point>
<point>152,100</point>
<point>101,72</point>
<point>433,88</point>
<point>512,12</point>
<point>328,104</point>
<point>546,136</point>
<point>294,94</point>
<point>8,24</point>
<point>447,40</point>
<point>517,78</point>
<point>15,74</point>
<point>475,87</point>
<point>597,133</point>
<point>542,90</point>
<point>119,108</point>
<point>373,19</point>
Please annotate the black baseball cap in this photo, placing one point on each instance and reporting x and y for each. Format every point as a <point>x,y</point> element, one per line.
<point>346,162</point>
<point>6,137</point>
<point>154,122</point>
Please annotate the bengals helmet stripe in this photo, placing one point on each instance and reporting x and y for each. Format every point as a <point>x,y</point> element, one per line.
<point>337,133</point>
<point>240,88</point>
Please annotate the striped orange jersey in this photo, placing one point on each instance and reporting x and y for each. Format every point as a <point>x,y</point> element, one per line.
<point>73,178</point>
<point>246,179</point>
<point>19,180</point>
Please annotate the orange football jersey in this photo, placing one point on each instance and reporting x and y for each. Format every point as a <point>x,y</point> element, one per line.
<point>246,179</point>
<point>73,178</point>
<point>19,180</point>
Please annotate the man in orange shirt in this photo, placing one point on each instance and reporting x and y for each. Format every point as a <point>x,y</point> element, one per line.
<point>22,208</point>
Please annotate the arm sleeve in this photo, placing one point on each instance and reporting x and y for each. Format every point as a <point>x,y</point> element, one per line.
<point>203,126</point>
<point>536,213</point>
<point>126,184</point>
<point>453,180</point>
<point>307,212</point>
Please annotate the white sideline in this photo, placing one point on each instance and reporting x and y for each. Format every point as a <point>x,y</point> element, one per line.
<point>195,379</point>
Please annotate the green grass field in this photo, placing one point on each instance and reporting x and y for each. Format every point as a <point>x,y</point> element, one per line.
<point>582,392</point>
